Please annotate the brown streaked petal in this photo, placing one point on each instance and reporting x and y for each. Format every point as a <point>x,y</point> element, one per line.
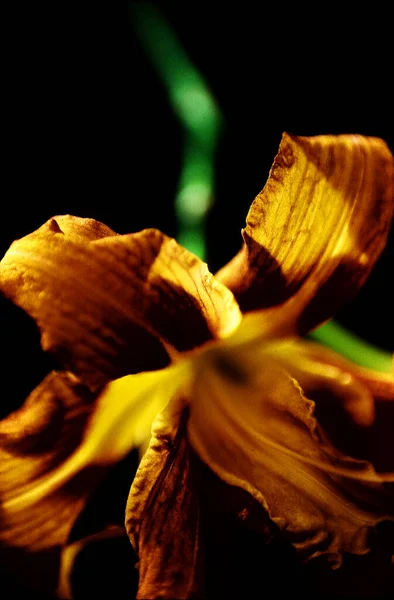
<point>102,304</point>
<point>313,373</point>
<point>162,514</point>
<point>255,428</point>
<point>79,229</point>
<point>312,355</point>
<point>316,229</point>
<point>120,419</point>
<point>34,442</point>
<point>59,445</point>
<point>337,385</point>
<point>40,435</point>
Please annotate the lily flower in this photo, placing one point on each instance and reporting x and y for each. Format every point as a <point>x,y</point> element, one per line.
<point>211,375</point>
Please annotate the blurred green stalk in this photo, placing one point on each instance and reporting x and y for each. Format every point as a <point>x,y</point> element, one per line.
<point>202,123</point>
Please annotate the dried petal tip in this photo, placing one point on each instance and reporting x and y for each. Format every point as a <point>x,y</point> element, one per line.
<point>316,229</point>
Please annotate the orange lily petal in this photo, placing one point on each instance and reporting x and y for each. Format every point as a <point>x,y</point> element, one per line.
<point>316,230</point>
<point>379,384</point>
<point>58,446</point>
<point>255,428</point>
<point>336,385</point>
<point>34,441</point>
<point>103,303</point>
<point>81,229</point>
<point>119,421</point>
<point>162,514</point>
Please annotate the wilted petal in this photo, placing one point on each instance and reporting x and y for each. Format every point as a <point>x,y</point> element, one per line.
<point>120,420</point>
<point>347,396</point>
<point>162,515</point>
<point>80,229</point>
<point>58,446</point>
<point>311,357</point>
<point>316,229</point>
<point>256,429</point>
<point>103,303</point>
<point>34,442</point>
<point>317,368</point>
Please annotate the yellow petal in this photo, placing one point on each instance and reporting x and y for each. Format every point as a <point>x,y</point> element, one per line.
<point>162,515</point>
<point>79,229</point>
<point>120,420</point>
<point>315,231</point>
<point>255,428</point>
<point>102,303</point>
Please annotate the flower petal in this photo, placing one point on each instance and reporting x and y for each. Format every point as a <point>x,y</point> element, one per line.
<point>316,229</point>
<point>102,304</point>
<point>312,357</point>
<point>256,429</point>
<point>80,229</point>
<point>120,420</point>
<point>336,385</point>
<point>162,515</point>
<point>58,446</point>
<point>34,442</point>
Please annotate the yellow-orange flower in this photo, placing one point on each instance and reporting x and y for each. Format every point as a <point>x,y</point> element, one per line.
<point>146,334</point>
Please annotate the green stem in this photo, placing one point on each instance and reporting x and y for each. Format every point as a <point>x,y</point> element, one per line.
<point>348,344</point>
<point>202,122</point>
<point>197,112</point>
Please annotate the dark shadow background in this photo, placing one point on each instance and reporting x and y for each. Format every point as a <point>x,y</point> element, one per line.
<point>88,129</point>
